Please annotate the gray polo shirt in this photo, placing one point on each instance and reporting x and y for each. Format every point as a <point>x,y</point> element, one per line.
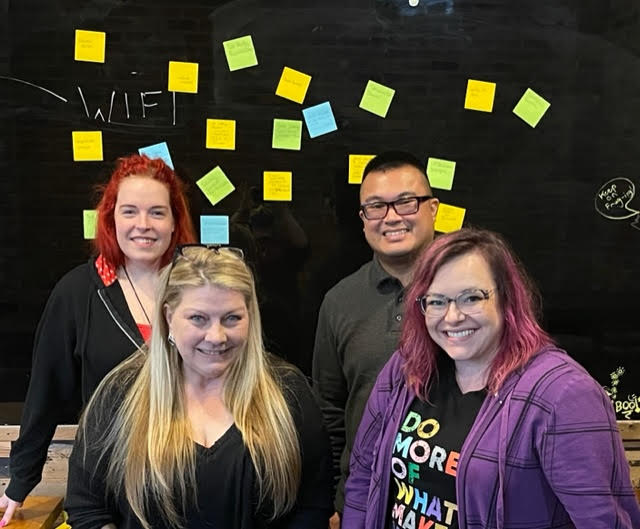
<point>358,330</point>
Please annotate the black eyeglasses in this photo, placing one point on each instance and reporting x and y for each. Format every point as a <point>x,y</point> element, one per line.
<point>183,250</point>
<point>468,302</point>
<point>402,206</point>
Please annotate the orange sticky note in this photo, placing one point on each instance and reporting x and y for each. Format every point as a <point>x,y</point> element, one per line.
<point>87,146</point>
<point>357,163</point>
<point>278,185</point>
<point>183,77</point>
<point>449,218</point>
<point>221,134</point>
<point>90,46</point>
<point>480,95</point>
<point>293,85</point>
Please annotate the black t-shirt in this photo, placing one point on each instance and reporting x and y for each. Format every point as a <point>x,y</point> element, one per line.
<point>425,455</point>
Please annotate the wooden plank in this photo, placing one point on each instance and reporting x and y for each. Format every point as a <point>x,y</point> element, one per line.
<point>629,430</point>
<point>64,432</point>
<point>38,512</point>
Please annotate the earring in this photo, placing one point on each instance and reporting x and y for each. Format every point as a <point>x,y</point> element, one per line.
<point>171,339</point>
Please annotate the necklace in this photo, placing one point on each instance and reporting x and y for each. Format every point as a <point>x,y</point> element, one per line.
<point>135,293</point>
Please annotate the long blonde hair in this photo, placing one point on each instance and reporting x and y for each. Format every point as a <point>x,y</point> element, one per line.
<point>153,408</point>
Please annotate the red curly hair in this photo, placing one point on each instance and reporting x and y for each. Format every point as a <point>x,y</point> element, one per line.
<point>106,242</point>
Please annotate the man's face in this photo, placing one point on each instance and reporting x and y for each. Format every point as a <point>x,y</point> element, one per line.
<point>398,236</point>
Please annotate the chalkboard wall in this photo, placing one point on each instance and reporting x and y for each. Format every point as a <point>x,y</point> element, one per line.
<point>563,192</point>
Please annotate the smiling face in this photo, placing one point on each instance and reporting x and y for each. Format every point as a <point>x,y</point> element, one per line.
<point>210,326</point>
<point>471,341</point>
<point>143,218</point>
<point>398,237</point>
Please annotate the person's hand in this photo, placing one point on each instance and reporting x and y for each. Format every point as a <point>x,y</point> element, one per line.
<point>334,521</point>
<point>9,507</point>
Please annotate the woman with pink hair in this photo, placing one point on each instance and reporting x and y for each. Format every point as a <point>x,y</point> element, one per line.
<point>479,421</point>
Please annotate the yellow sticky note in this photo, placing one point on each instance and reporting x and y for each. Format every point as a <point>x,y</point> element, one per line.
<point>480,95</point>
<point>531,107</point>
<point>278,185</point>
<point>87,146</point>
<point>293,85</point>
<point>183,77</point>
<point>90,46</point>
<point>221,134</point>
<point>357,163</point>
<point>89,221</point>
<point>440,173</point>
<point>215,185</point>
<point>449,218</point>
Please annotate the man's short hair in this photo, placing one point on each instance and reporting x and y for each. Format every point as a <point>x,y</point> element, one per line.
<point>392,160</point>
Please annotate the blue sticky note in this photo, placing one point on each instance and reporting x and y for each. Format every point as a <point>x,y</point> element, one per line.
<point>214,229</point>
<point>159,150</point>
<point>319,119</point>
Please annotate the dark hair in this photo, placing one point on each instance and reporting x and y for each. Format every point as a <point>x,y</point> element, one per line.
<point>106,242</point>
<point>517,296</point>
<point>393,160</point>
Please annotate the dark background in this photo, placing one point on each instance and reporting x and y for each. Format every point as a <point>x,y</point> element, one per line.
<point>536,186</point>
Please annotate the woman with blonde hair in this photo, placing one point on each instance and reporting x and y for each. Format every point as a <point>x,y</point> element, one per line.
<point>203,428</point>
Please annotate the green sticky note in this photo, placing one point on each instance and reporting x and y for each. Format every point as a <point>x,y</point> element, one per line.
<point>531,107</point>
<point>287,134</point>
<point>377,98</point>
<point>89,222</point>
<point>240,53</point>
<point>215,185</point>
<point>440,173</point>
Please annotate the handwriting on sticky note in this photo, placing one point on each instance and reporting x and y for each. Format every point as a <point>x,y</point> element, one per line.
<point>531,107</point>
<point>319,119</point>
<point>377,98</point>
<point>183,77</point>
<point>87,146</point>
<point>293,85</point>
<point>440,173</point>
<point>89,223</point>
<point>221,134</point>
<point>90,46</point>
<point>214,229</point>
<point>480,95</point>
<point>277,185</point>
<point>215,185</point>
<point>159,150</point>
<point>287,134</point>
<point>357,163</point>
<point>240,53</point>
<point>449,218</point>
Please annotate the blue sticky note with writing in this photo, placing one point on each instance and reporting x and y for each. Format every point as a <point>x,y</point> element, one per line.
<point>214,229</point>
<point>159,150</point>
<point>319,119</point>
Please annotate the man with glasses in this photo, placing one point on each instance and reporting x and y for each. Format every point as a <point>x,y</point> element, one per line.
<point>361,317</point>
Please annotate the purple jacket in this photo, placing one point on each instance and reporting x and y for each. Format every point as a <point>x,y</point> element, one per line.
<point>543,452</point>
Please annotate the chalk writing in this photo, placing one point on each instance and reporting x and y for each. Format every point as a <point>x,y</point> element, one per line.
<point>613,197</point>
<point>628,407</point>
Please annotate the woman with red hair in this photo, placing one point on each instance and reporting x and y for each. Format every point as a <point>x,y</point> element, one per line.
<point>98,314</point>
<point>479,420</point>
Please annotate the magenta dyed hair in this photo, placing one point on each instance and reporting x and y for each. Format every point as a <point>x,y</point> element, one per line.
<point>518,299</point>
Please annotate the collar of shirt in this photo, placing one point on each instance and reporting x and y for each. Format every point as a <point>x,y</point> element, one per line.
<point>381,280</point>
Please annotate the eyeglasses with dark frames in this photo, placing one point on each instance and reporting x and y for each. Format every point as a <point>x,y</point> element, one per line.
<point>183,250</point>
<point>402,206</point>
<point>468,302</point>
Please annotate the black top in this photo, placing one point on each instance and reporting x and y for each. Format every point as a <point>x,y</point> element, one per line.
<point>226,493</point>
<point>86,329</point>
<point>426,452</point>
<point>358,330</point>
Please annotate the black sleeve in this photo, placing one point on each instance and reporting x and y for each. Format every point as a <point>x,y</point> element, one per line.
<point>314,505</point>
<point>53,387</point>
<point>331,384</point>
<point>86,501</point>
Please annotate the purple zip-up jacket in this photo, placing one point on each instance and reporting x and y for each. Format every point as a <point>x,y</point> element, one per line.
<point>544,452</point>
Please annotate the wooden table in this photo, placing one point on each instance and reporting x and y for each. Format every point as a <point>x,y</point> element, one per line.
<point>38,512</point>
